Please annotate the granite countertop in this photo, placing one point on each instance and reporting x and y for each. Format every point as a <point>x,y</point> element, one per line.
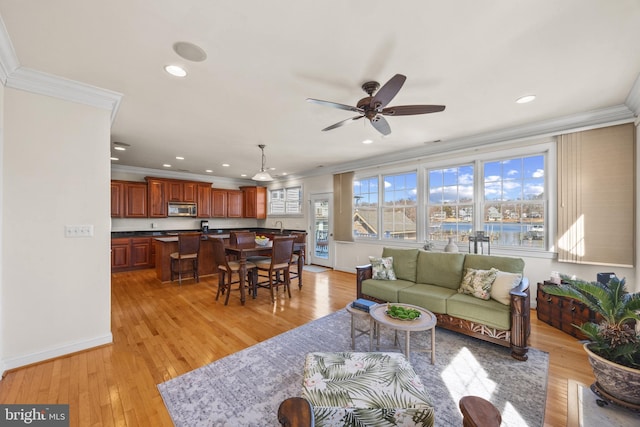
<point>164,234</point>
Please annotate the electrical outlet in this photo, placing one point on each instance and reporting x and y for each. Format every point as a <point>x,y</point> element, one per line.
<point>78,231</point>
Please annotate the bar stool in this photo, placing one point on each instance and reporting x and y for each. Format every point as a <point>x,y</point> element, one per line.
<point>188,249</point>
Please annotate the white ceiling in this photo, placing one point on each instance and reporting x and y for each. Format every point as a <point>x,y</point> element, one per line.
<point>266,57</point>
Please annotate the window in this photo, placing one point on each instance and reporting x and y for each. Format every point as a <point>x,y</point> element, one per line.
<point>399,212</point>
<point>514,202</point>
<point>450,203</point>
<point>365,202</point>
<point>285,201</point>
<point>503,197</point>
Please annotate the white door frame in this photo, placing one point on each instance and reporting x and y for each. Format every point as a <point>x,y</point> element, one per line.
<point>326,261</point>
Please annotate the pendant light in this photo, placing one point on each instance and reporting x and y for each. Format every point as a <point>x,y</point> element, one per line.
<point>262,175</point>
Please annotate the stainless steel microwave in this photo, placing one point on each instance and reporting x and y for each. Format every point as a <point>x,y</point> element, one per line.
<point>182,209</point>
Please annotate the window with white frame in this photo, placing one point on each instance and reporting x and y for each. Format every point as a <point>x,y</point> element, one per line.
<point>450,203</point>
<point>400,207</point>
<point>365,204</point>
<point>514,210</point>
<point>285,201</point>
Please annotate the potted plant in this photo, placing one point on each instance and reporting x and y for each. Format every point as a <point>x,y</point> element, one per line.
<point>614,343</point>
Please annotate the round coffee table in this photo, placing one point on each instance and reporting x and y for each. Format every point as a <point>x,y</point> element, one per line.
<point>426,321</point>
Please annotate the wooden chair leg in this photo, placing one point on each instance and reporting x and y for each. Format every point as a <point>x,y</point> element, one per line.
<point>271,284</point>
<point>287,281</point>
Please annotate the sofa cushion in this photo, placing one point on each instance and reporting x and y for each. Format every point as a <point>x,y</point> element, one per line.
<point>441,269</point>
<point>385,290</point>
<point>477,283</point>
<point>431,297</point>
<point>502,263</point>
<point>490,313</point>
<point>404,262</point>
<point>382,268</point>
<point>501,288</point>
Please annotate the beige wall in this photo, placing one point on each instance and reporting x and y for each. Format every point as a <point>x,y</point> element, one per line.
<point>54,291</point>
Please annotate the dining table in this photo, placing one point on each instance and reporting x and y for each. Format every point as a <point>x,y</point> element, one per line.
<point>243,251</point>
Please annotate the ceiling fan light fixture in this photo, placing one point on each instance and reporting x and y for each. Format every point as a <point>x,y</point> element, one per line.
<point>262,175</point>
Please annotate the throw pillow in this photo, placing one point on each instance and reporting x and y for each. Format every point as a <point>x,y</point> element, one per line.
<point>502,286</point>
<point>478,283</point>
<point>382,268</point>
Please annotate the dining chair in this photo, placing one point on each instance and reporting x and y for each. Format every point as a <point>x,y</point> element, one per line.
<point>246,238</point>
<point>280,262</point>
<point>227,268</point>
<point>297,259</point>
<point>188,249</point>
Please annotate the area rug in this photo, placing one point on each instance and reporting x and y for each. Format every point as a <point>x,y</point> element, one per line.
<point>315,268</point>
<point>246,388</point>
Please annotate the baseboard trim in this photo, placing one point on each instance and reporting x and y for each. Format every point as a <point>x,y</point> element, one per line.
<point>30,359</point>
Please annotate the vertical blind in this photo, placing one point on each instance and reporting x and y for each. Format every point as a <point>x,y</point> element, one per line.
<point>596,196</point>
<point>343,207</point>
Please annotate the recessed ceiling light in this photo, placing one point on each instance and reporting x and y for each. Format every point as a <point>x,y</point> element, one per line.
<point>175,70</point>
<point>119,148</point>
<point>225,165</point>
<point>114,158</point>
<point>243,174</point>
<point>167,165</point>
<point>367,141</point>
<point>525,99</point>
<point>189,51</point>
<point>209,171</point>
<point>179,158</point>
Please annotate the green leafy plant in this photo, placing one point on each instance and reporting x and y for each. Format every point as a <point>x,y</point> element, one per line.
<point>402,313</point>
<point>614,337</point>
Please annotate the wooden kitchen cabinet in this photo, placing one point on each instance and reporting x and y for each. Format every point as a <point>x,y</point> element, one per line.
<point>234,203</point>
<point>128,199</point>
<point>120,254</point>
<point>158,198</point>
<point>255,202</point>
<point>140,252</point>
<point>180,191</point>
<point>204,200</point>
<point>218,203</point>
<point>135,205</point>
<point>131,253</point>
<point>117,199</point>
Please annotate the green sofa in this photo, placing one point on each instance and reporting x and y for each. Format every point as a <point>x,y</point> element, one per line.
<point>431,280</point>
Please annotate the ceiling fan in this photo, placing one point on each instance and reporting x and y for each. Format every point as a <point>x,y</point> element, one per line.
<point>374,107</point>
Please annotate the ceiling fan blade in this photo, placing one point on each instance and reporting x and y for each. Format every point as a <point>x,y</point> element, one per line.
<point>381,125</point>
<point>335,105</point>
<point>387,92</point>
<point>408,110</point>
<point>342,123</point>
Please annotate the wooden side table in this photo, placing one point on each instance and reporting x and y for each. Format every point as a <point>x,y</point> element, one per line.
<point>355,331</point>
<point>478,412</point>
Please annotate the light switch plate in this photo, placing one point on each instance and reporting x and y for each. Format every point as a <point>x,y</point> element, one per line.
<point>78,231</point>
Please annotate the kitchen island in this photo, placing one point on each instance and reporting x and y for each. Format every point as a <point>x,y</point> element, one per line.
<point>165,246</point>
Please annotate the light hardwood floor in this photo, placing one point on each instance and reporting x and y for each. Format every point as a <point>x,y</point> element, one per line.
<point>161,331</point>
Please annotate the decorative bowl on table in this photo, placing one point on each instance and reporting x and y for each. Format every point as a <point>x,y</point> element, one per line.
<point>402,313</point>
<point>262,241</point>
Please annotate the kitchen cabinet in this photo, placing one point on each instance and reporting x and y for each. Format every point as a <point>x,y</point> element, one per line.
<point>120,254</point>
<point>117,199</point>
<point>180,191</point>
<point>255,202</point>
<point>157,198</point>
<point>135,205</point>
<point>128,199</point>
<point>204,200</point>
<point>130,253</point>
<point>234,203</point>
<point>218,203</point>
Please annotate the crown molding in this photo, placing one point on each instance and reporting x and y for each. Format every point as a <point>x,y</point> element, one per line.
<point>587,120</point>
<point>161,173</point>
<point>633,99</point>
<point>15,76</point>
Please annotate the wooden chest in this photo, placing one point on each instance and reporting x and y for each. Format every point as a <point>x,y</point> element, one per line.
<point>562,312</point>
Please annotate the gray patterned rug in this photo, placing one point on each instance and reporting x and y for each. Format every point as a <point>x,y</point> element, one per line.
<point>245,388</point>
